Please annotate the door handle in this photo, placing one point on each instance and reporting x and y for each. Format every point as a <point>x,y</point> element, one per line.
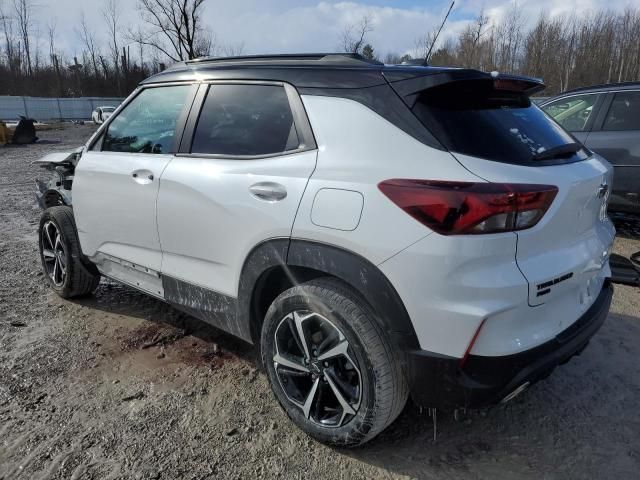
<point>268,191</point>
<point>142,176</point>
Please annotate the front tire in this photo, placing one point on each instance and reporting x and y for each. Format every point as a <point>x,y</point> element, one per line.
<point>61,257</point>
<point>330,365</point>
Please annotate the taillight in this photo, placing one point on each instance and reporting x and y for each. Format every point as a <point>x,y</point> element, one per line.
<point>456,208</point>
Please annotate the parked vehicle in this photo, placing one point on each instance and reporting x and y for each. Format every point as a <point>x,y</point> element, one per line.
<point>102,114</point>
<point>606,119</point>
<point>357,222</point>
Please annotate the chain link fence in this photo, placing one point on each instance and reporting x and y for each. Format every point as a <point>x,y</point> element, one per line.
<point>47,109</point>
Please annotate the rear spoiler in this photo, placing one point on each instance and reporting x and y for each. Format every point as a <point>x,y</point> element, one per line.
<point>410,86</point>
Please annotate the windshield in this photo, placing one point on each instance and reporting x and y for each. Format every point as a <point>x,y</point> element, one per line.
<point>475,119</point>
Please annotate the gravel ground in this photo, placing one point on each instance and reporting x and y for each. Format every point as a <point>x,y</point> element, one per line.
<point>121,386</point>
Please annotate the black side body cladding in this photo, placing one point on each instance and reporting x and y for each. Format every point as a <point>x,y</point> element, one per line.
<point>262,259</point>
<point>367,279</point>
<point>230,314</point>
<point>241,316</point>
<point>212,307</point>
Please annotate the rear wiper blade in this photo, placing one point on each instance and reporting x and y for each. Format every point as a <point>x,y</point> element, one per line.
<point>558,151</point>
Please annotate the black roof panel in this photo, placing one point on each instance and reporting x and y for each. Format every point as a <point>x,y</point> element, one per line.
<point>314,70</point>
<point>317,70</point>
<point>298,58</point>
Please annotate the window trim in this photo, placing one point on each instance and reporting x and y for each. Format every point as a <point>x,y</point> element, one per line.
<point>613,94</point>
<point>300,120</point>
<point>597,105</point>
<point>94,143</point>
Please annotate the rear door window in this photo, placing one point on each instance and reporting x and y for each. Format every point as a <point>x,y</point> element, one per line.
<point>147,124</point>
<point>475,119</point>
<point>574,112</point>
<point>245,120</point>
<point>624,112</point>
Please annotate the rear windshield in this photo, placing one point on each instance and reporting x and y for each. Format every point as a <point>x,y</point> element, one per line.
<point>474,119</point>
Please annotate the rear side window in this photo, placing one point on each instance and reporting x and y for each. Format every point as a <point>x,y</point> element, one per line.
<point>245,120</point>
<point>624,113</point>
<point>475,119</point>
<point>573,113</point>
<point>147,124</point>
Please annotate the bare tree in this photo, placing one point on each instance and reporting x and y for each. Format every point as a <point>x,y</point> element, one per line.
<point>174,28</point>
<point>7,26</point>
<point>472,49</point>
<point>422,44</point>
<point>111,15</point>
<point>509,39</point>
<point>233,49</point>
<point>354,35</point>
<point>22,10</point>
<point>571,51</point>
<point>88,38</point>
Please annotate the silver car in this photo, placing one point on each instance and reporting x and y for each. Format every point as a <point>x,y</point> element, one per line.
<point>606,119</point>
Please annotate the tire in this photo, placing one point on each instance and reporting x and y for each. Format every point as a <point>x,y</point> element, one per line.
<point>382,388</point>
<point>63,265</point>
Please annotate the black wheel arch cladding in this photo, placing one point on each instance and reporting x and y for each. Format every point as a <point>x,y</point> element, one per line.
<point>301,260</point>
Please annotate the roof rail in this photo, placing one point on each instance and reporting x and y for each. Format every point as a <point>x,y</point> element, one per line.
<point>341,58</point>
<point>604,85</point>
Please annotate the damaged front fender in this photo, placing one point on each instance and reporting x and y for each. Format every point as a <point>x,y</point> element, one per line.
<point>56,189</point>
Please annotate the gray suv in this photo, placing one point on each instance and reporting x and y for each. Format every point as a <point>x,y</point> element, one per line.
<point>606,119</point>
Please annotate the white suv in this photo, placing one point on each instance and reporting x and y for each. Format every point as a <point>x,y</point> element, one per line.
<point>377,231</point>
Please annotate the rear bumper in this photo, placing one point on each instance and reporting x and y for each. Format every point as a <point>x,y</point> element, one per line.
<point>437,381</point>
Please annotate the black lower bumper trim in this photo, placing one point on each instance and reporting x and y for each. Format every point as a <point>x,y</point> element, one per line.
<point>437,380</point>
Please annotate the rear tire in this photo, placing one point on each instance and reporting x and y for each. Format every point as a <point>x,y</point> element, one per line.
<point>61,257</point>
<point>332,318</point>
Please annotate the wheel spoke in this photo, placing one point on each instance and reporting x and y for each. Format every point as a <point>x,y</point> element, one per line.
<point>306,408</point>
<point>285,362</point>
<point>298,319</point>
<point>329,339</point>
<point>292,373</point>
<point>340,349</point>
<point>55,247</point>
<point>346,408</point>
<point>348,389</point>
<point>55,271</point>
<point>48,254</point>
<point>294,334</point>
<point>48,234</point>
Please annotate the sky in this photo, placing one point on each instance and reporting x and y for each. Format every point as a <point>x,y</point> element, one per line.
<point>287,26</point>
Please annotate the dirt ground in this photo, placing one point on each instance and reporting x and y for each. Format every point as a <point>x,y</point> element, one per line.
<point>121,386</point>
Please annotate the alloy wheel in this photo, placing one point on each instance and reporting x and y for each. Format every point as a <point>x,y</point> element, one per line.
<point>53,253</point>
<point>316,368</point>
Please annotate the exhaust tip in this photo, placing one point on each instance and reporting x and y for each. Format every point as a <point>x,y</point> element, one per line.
<point>516,392</point>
